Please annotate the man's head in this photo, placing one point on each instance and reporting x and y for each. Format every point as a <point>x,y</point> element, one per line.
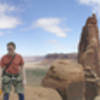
<point>11,48</point>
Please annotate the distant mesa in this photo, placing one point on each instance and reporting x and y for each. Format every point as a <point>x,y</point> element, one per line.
<point>61,56</point>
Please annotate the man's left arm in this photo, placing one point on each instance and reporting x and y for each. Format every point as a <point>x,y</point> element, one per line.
<point>23,75</point>
<point>0,77</point>
<point>1,70</point>
<point>23,72</point>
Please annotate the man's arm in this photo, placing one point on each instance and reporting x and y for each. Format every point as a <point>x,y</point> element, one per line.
<point>1,69</point>
<point>0,80</point>
<point>23,72</point>
<point>0,77</point>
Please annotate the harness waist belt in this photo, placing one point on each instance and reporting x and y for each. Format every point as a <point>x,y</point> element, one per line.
<point>12,75</point>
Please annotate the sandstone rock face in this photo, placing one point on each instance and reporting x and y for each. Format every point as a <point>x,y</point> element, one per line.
<point>89,45</point>
<point>89,55</point>
<point>67,78</point>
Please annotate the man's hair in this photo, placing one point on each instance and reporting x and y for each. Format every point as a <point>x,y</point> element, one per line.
<point>12,43</point>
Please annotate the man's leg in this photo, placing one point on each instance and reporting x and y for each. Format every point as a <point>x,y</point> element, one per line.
<point>6,96</point>
<point>21,96</point>
<point>19,87</point>
<point>6,86</point>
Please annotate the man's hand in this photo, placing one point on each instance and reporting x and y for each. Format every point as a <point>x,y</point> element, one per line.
<point>0,92</point>
<point>23,76</point>
<point>24,82</point>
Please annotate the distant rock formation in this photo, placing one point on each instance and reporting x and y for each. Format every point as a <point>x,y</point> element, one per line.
<point>50,58</point>
<point>72,56</point>
<point>89,55</point>
<point>67,78</point>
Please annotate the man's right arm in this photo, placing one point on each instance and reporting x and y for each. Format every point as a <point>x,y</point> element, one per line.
<point>0,77</point>
<point>1,70</point>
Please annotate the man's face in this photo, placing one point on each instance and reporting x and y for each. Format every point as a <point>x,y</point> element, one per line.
<point>10,50</point>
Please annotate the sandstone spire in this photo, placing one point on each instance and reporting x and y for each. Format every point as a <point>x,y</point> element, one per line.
<point>89,45</point>
<point>88,56</point>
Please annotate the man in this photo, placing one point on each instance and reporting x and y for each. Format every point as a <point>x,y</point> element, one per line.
<point>12,74</point>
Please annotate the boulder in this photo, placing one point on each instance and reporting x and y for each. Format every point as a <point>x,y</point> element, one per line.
<point>40,93</point>
<point>67,78</point>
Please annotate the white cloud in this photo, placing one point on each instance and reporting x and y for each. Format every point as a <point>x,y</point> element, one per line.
<point>95,4</point>
<point>52,25</point>
<point>7,21</point>
<point>4,8</point>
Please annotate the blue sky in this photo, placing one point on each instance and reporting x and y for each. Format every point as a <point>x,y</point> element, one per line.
<point>39,27</point>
